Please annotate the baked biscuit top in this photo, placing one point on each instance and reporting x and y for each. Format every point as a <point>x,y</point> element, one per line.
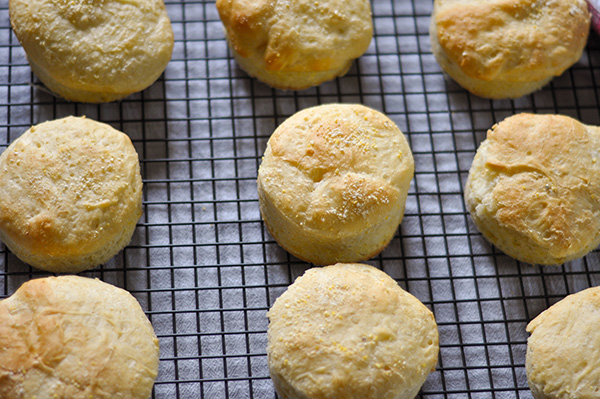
<point>298,36</point>
<point>337,166</point>
<point>512,38</point>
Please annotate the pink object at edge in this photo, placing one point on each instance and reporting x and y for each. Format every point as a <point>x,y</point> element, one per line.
<point>595,10</point>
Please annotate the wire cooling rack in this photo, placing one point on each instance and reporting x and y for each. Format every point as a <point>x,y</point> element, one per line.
<point>201,262</point>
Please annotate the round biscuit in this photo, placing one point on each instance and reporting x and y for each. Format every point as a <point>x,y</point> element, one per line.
<point>563,350</point>
<point>533,189</point>
<point>333,183</point>
<point>72,194</point>
<point>94,51</point>
<point>350,331</point>
<point>293,45</point>
<point>75,337</point>
<point>507,48</point>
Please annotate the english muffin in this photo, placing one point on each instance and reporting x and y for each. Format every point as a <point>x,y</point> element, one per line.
<point>71,194</point>
<point>563,350</point>
<point>294,45</point>
<point>534,188</point>
<point>507,48</point>
<point>94,51</point>
<point>333,183</point>
<point>75,337</point>
<point>349,331</point>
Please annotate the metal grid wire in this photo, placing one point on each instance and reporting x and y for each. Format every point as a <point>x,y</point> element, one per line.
<point>203,266</point>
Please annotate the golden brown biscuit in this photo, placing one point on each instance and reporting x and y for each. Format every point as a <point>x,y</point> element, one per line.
<point>75,337</point>
<point>294,45</point>
<point>563,351</point>
<point>94,51</point>
<point>349,331</point>
<point>71,194</point>
<point>333,183</point>
<point>534,188</point>
<point>507,48</point>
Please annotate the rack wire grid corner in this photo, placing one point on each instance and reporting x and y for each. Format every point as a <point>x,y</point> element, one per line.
<point>201,262</point>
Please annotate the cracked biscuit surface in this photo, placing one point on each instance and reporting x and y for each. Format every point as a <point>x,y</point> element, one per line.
<point>534,185</point>
<point>293,45</point>
<point>333,183</point>
<point>75,337</point>
<point>508,48</point>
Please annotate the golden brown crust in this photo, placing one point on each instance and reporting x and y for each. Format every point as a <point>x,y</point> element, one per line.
<point>94,51</point>
<point>508,48</point>
<point>75,337</point>
<point>73,194</point>
<point>295,45</point>
<point>533,188</point>
<point>334,181</point>
<point>349,331</point>
<point>563,359</point>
